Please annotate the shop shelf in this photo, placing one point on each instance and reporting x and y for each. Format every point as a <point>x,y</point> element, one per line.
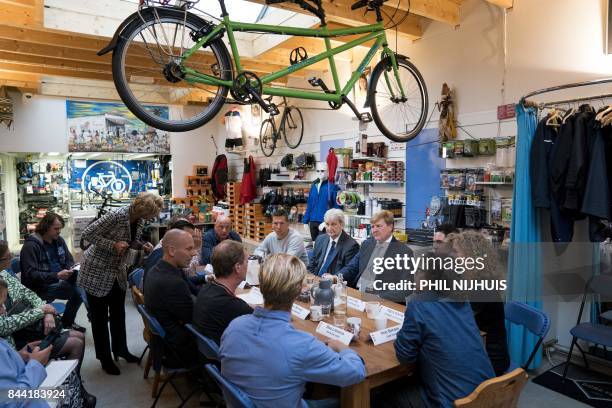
<point>372,159</point>
<point>291,181</point>
<point>493,183</point>
<point>395,183</point>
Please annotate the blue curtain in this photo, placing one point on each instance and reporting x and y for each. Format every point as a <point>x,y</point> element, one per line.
<point>524,263</point>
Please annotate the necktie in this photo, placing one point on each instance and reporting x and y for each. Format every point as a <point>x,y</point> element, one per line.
<point>328,258</point>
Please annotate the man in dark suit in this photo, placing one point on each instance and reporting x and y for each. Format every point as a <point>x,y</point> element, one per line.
<point>375,266</point>
<point>333,250</point>
<point>168,299</point>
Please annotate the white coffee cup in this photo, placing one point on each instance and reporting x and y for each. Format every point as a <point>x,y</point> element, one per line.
<point>380,322</point>
<point>372,309</point>
<point>316,313</point>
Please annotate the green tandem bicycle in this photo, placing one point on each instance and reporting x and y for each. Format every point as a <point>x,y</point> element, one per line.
<point>168,54</point>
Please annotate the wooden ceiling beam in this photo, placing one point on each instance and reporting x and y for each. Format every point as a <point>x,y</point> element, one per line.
<point>27,13</point>
<point>410,28</point>
<point>64,45</point>
<point>502,3</point>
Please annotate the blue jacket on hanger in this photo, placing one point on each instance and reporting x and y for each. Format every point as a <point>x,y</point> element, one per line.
<point>320,200</point>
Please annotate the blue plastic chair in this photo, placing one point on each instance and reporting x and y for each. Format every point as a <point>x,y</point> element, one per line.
<point>534,320</point>
<point>135,278</point>
<point>158,345</point>
<point>234,397</point>
<point>15,267</point>
<point>206,345</point>
<point>591,332</point>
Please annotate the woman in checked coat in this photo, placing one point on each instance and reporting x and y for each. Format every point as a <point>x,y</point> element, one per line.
<point>103,276</point>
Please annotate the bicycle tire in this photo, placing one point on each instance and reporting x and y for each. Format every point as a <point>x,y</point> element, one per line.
<point>266,142</point>
<point>284,125</point>
<point>217,47</point>
<point>414,73</point>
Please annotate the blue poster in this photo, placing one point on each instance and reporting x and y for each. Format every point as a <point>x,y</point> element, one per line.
<point>110,176</point>
<point>111,127</point>
<point>423,166</point>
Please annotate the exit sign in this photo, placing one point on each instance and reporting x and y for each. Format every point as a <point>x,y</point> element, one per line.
<point>506,111</point>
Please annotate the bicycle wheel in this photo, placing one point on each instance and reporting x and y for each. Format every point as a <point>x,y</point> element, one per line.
<point>292,127</point>
<point>399,119</point>
<point>147,70</point>
<point>266,137</point>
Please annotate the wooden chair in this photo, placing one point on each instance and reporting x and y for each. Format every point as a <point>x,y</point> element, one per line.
<point>498,392</point>
<point>138,298</point>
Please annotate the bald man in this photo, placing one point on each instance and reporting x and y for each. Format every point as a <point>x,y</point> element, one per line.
<point>221,232</point>
<point>168,299</point>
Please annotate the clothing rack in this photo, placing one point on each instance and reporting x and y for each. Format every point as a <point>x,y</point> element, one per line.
<point>525,102</point>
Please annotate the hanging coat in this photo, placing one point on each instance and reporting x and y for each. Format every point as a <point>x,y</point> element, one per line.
<point>332,165</point>
<point>248,189</point>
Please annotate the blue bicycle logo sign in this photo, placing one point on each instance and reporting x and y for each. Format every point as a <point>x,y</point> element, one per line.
<point>106,177</point>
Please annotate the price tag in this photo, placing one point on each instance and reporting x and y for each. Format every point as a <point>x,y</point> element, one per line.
<point>384,335</point>
<point>355,303</point>
<point>335,333</point>
<point>392,314</point>
<point>299,311</point>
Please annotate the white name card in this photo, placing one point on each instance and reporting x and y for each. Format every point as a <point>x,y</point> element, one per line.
<point>299,311</point>
<point>392,314</point>
<point>384,335</point>
<point>355,303</point>
<point>335,333</point>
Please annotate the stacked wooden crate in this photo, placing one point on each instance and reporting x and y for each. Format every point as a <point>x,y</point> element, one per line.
<point>256,224</point>
<point>235,209</point>
<point>198,190</point>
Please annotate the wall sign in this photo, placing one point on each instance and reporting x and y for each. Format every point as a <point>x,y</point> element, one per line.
<point>109,176</point>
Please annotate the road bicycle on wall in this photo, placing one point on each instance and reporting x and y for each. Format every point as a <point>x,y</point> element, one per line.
<point>291,128</point>
<point>168,54</point>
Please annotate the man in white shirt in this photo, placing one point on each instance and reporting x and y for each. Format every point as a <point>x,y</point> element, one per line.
<point>283,240</point>
<point>334,249</point>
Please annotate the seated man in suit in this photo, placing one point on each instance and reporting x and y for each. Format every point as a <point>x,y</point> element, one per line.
<point>212,238</point>
<point>369,271</point>
<point>168,299</point>
<point>217,305</point>
<point>334,249</point>
<point>283,240</point>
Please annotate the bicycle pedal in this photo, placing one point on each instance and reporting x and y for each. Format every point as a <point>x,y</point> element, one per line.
<point>365,117</point>
<point>272,109</point>
<point>314,81</point>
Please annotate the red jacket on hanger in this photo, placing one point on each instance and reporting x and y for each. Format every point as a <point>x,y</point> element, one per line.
<point>248,189</point>
<point>332,165</point>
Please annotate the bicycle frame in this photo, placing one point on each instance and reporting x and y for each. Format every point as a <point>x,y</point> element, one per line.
<point>371,32</point>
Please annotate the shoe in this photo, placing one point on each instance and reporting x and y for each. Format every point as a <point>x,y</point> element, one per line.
<point>130,358</point>
<point>78,328</point>
<point>110,368</point>
<point>89,401</point>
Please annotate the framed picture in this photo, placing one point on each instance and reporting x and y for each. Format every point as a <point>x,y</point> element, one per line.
<point>255,114</point>
<point>200,171</point>
<point>360,90</point>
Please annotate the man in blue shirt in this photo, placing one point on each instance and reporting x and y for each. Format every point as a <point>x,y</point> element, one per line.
<point>271,361</point>
<point>440,335</point>
<point>221,232</point>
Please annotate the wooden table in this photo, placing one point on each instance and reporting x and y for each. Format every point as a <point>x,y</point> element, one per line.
<point>381,364</point>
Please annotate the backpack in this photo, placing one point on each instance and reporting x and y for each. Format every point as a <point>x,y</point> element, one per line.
<point>219,176</point>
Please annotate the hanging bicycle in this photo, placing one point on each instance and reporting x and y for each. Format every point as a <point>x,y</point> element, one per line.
<point>291,127</point>
<point>184,58</point>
